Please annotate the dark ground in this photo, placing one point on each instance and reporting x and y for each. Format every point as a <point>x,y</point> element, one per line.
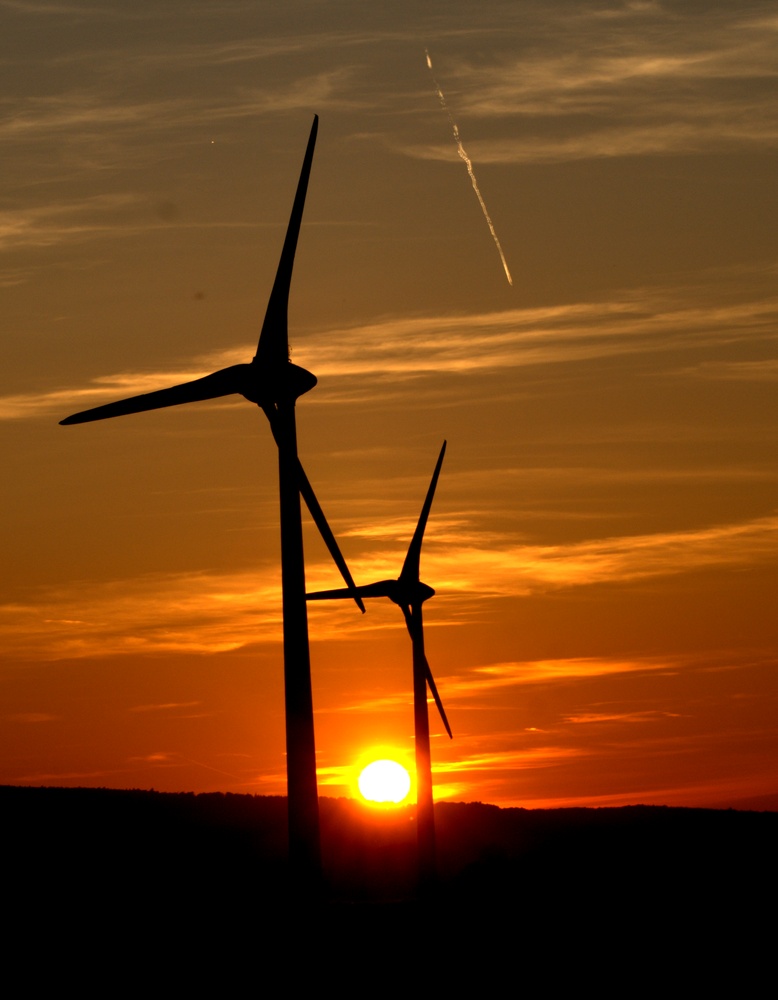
<point>196,886</point>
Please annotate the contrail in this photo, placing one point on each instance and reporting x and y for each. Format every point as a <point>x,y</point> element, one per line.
<point>468,163</point>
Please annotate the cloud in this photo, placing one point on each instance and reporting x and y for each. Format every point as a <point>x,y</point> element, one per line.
<point>616,141</point>
<point>493,678</point>
<point>47,225</point>
<point>496,772</point>
<point>642,321</point>
<point>33,717</point>
<point>573,80</point>
<point>398,701</point>
<point>187,55</point>
<point>596,718</point>
<point>765,370</point>
<point>84,115</point>
<point>100,389</point>
<point>42,116</point>
<point>168,706</point>
<point>400,350</point>
<point>178,760</point>
<point>210,613</point>
<point>107,216</point>
<point>40,7</point>
<point>486,686</point>
<point>508,760</point>
<point>502,567</point>
<point>520,569</point>
<point>620,80</point>
<point>173,613</point>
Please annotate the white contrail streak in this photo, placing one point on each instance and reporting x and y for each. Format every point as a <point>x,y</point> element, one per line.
<point>469,164</point>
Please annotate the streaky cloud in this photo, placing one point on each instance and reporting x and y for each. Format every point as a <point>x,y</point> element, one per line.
<point>509,760</point>
<point>643,321</point>
<point>517,569</point>
<point>673,138</point>
<point>467,574</point>
<point>166,707</point>
<point>593,83</point>
<point>33,718</point>
<point>405,349</point>
<point>492,678</point>
<point>163,613</point>
<point>88,115</point>
<point>48,225</point>
<point>598,718</point>
<point>734,371</point>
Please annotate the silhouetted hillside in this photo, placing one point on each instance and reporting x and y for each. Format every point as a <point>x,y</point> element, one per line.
<point>106,867</point>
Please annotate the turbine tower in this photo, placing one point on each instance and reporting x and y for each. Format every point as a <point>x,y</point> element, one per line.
<point>274,384</point>
<point>410,593</point>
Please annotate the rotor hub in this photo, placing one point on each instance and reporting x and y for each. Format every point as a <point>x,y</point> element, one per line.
<point>282,385</point>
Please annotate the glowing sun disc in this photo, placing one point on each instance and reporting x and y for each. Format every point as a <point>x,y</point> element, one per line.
<point>384,781</point>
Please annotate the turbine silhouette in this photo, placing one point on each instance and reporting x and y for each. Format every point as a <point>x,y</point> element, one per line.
<point>409,593</point>
<point>274,384</point>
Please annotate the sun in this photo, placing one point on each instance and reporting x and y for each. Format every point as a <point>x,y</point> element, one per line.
<point>384,781</point>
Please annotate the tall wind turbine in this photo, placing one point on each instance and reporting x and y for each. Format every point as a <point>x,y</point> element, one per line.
<point>274,384</point>
<point>410,593</point>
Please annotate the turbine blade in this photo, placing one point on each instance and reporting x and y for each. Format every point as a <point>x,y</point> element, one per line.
<point>434,689</point>
<point>314,508</point>
<point>273,346</point>
<point>382,589</point>
<point>410,570</point>
<point>415,625</point>
<point>221,383</point>
<point>325,531</point>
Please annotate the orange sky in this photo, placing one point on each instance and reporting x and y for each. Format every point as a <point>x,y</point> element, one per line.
<point>604,539</point>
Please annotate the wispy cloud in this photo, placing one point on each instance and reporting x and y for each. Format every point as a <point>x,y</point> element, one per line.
<point>487,773</point>
<point>157,758</point>
<point>195,613</point>
<point>166,707</point>
<point>485,680</point>
<point>598,718</point>
<point>64,401</point>
<point>99,217</point>
<point>208,613</point>
<point>81,12</point>
<point>187,55</point>
<point>622,80</point>
<point>177,760</point>
<point>503,567</point>
<point>518,569</point>
<point>41,7</point>
<point>735,371</point>
<point>642,321</point>
<point>33,718</point>
<point>84,114</point>
<point>625,140</point>
<point>398,350</point>
<point>42,116</point>
<point>508,760</point>
<point>47,225</point>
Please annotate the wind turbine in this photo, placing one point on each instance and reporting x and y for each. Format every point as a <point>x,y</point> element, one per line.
<point>410,593</point>
<point>274,384</point>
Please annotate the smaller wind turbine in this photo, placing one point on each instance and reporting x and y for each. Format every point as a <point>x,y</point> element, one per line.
<point>409,593</point>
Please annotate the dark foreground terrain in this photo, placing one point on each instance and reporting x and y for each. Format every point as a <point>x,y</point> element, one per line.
<point>192,886</point>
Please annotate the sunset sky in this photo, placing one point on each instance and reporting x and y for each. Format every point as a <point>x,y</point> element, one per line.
<point>604,538</point>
